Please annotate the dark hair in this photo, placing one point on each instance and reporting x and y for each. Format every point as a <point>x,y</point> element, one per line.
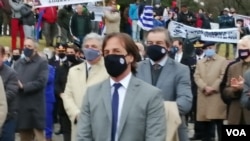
<point>74,47</point>
<point>2,50</point>
<point>128,44</point>
<point>19,50</point>
<point>162,30</point>
<point>240,20</point>
<point>180,41</point>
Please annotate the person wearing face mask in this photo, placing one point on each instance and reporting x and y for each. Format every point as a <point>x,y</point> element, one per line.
<point>15,57</point>
<point>198,126</point>
<point>158,9</point>
<point>87,73</point>
<point>171,77</point>
<point>121,95</point>
<point>60,56</point>
<point>211,110</point>
<point>60,82</point>
<point>186,17</point>
<point>234,86</point>
<point>199,50</point>
<point>32,74</point>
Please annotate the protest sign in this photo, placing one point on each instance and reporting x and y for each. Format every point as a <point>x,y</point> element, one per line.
<point>98,10</point>
<point>230,35</point>
<point>214,25</point>
<point>48,3</point>
<point>246,19</point>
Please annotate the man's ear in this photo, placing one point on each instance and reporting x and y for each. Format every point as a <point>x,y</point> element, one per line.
<point>130,59</point>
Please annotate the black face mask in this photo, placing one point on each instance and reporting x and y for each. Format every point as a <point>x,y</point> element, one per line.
<point>156,52</point>
<point>173,50</point>
<point>61,55</point>
<point>15,57</point>
<point>71,58</point>
<point>198,51</point>
<point>244,53</point>
<point>115,64</point>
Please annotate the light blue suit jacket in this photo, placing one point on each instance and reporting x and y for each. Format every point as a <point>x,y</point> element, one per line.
<point>142,118</point>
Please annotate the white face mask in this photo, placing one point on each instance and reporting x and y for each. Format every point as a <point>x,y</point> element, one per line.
<point>157,5</point>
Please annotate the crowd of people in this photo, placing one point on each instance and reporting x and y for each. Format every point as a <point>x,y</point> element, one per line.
<point>113,86</point>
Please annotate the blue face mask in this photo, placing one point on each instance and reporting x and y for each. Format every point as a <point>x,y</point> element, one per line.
<point>28,52</point>
<point>174,49</point>
<point>209,52</point>
<point>91,54</point>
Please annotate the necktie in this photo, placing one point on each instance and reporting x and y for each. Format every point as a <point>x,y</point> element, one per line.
<point>115,105</point>
<point>155,73</point>
<point>156,66</point>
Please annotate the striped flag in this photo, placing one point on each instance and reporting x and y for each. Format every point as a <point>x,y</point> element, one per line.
<point>146,20</point>
<point>39,24</point>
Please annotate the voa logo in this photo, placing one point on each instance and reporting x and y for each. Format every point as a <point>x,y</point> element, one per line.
<point>236,132</point>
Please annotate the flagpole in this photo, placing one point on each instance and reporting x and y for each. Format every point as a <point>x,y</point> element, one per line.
<point>104,4</point>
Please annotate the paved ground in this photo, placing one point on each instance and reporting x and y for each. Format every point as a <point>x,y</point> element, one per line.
<point>60,137</point>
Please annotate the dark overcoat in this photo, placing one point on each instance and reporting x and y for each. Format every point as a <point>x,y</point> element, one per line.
<point>33,75</point>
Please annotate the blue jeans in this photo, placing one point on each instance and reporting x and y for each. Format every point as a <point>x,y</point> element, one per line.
<point>49,120</point>
<point>135,31</point>
<point>81,38</point>
<point>8,130</point>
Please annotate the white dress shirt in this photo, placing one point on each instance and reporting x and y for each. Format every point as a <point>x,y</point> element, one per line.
<point>200,57</point>
<point>57,58</point>
<point>122,92</point>
<point>178,57</point>
<point>88,65</point>
<point>162,62</point>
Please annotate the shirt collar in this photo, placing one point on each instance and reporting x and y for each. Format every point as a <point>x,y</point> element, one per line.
<point>57,58</point>
<point>124,82</point>
<point>200,56</point>
<point>88,65</point>
<point>162,62</point>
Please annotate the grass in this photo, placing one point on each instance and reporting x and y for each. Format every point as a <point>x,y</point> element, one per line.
<point>6,41</point>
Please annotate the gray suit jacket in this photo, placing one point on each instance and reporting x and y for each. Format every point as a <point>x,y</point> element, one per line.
<point>174,81</point>
<point>245,99</point>
<point>142,119</point>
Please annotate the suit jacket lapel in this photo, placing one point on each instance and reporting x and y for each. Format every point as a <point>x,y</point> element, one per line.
<point>96,68</point>
<point>164,72</point>
<point>240,67</point>
<point>128,102</point>
<point>147,71</point>
<point>106,90</point>
<point>81,74</point>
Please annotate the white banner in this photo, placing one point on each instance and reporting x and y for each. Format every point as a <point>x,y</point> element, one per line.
<point>246,19</point>
<point>214,25</point>
<point>98,10</point>
<point>48,3</point>
<point>230,35</point>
